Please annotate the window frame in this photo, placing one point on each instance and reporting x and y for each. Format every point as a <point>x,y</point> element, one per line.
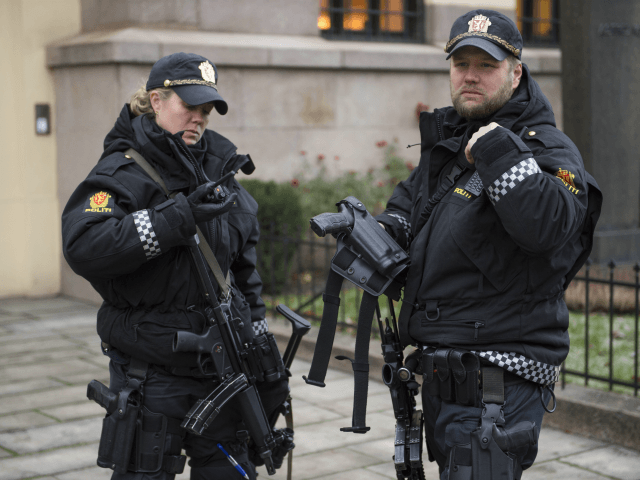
<point>413,21</point>
<point>528,20</point>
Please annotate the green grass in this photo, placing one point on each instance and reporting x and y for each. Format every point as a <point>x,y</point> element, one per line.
<point>598,348</point>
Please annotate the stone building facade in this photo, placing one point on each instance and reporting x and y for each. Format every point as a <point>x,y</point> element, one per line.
<point>290,87</point>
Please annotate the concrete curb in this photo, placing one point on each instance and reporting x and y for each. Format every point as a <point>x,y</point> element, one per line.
<point>600,415</point>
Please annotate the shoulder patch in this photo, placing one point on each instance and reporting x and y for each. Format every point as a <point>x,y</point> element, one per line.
<point>567,177</point>
<point>99,202</point>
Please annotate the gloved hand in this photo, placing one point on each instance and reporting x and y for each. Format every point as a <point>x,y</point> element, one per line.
<point>207,202</point>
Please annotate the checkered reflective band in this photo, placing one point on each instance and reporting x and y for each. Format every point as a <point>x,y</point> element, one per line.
<point>406,226</point>
<point>531,370</point>
<point>474,185</point>
<point>260,327</point>
<point>511,178</point>
<point>148,237</point>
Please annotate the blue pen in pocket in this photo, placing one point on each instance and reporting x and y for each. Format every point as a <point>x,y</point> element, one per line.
<point>234,463</point>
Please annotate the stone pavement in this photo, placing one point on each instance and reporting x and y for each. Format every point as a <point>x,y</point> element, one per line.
<point>49,430</point>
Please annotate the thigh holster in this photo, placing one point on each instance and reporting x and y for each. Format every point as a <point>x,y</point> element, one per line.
<point>133,438</point>
<point>492,453</point>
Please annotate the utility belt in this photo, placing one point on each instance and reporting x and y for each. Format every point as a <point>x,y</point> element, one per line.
<point>133,438</point>
<point>459,376</point>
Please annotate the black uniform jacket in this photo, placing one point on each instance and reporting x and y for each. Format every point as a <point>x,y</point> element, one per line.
<point>490,265</point>
<point>123,235</point>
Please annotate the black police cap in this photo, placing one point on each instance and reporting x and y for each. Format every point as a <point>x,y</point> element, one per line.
<point>488,30</point>
<point>191,76</point>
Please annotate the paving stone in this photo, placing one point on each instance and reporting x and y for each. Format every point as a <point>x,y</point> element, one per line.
<point>12,337</point>
<point>555,470</point>
<point>38,305</point>
<point>55,322</point>
<point>319,465</point>
<point>8,319</point>
<point>50,343</point>
<point>4,453</point>
<point>334,391</point>
<point>41,357</point>
<point>53,397</point>
<point>387,470</point>
<point>30,386</point>
<point>48,463</point>
<point>62,367</point>
<point>375,403</point>
<point>554,443</point>
<point>614,461</point>
<point>78,410</point>
<point>95,473</point>
<point>23,421</point>
<point>102,375</point>
<point>327,435</point>
<point>360,474</point>
<point>52,436</point>
<point>305,413</point>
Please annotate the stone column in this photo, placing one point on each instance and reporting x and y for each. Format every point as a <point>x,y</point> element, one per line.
<point>600,42</point>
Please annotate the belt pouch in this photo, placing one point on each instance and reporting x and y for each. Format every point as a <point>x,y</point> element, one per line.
<point>116,440</point>
<point>468,389</point>
<point>436,378</point>
<point>443,372</point>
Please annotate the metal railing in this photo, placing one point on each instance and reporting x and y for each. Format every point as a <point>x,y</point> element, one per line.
<point>294,267</point>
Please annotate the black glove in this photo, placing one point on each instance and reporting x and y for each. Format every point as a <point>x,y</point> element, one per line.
<point>207,202</point>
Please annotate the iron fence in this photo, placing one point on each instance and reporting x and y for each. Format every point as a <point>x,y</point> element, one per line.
<point>294,264</point>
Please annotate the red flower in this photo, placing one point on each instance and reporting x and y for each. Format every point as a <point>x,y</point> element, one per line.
<point>409,166</point>
<point>380,184</point>
<point>381,144</point>
<point>320,157</point>
<point>302,152</point>
<point>336,158</point>
<point>421,107</point>
<point>295,183</point>
<point>352,172</point>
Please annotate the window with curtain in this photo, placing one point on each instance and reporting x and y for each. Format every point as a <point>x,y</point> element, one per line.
<point>539,22</point>
<point>376,20</point>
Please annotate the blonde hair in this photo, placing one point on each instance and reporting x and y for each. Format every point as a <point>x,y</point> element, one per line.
<point>141,101</point>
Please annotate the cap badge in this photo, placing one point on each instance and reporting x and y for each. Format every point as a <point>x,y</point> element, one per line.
<point>479,23</point>
<point>208,73</point>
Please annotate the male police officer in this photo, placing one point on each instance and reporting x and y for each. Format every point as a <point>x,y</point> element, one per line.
<point>498,217</point>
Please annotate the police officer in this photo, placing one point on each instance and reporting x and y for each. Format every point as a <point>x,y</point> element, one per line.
<point>498,217</point>
<point>125,236</point>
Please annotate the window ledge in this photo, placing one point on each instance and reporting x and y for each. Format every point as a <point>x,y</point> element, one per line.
<point>143,46</point>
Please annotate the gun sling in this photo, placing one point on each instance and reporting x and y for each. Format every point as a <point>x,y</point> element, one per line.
<point>326,335</point>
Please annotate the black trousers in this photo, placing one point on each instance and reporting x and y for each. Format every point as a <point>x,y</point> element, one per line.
<point>173,396</point>
<point>448,424</point>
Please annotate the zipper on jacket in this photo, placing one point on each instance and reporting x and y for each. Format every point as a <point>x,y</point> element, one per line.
<point>476,327</point>
<point>135,332</point>
<point>439,125</point>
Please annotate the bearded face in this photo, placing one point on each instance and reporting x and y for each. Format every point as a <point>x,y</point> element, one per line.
<point>481,85</point>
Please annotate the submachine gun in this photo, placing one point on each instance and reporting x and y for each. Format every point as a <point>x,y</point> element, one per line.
<point>369,258</point>
<point>237,367</point>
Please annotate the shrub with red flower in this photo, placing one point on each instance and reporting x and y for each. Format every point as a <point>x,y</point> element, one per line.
<point>381,144</point>
<point>380,184</point>
<point>295,183</point>
<point>410,166</point>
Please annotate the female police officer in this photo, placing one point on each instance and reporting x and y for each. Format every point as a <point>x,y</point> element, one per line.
<point>128,238</point>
